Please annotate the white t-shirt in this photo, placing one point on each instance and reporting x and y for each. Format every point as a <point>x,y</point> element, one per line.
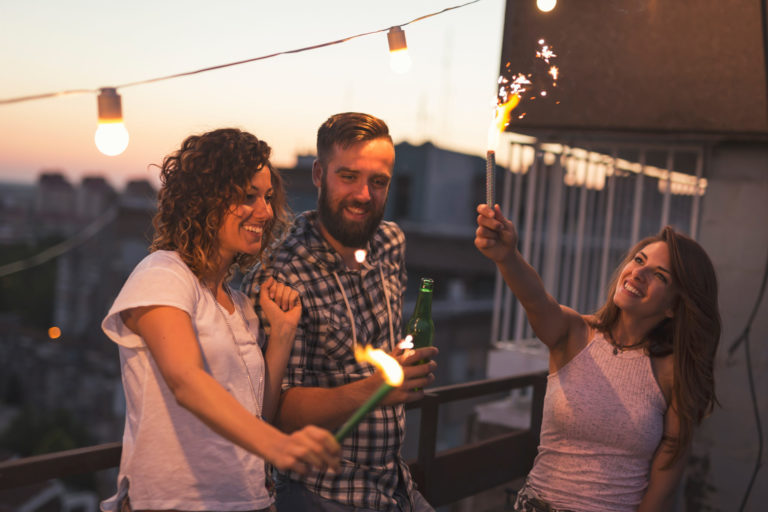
<point>171,459</point>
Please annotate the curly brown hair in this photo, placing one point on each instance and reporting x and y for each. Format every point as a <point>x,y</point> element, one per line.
<point>200,182</point>
<point>691,335</point>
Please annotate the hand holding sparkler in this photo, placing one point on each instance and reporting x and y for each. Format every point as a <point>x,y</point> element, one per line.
<point>398,381</point>
<point>495,237</point>
<point>310,447</point>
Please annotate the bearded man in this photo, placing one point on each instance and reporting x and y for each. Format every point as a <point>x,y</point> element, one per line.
<point>348,301</point>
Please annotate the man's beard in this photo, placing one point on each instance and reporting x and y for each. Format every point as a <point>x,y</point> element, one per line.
<point>348,233</point>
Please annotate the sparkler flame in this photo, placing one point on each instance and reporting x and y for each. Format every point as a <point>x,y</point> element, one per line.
<point>500,120</point>
<point>393,372</point>
<point>518,85</point>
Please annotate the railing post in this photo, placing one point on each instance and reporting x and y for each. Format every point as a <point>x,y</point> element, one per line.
<point>427,442</point>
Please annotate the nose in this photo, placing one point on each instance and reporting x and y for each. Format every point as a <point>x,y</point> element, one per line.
<point>363,193</point>
<point>640,273</point>
<point>260,208</point>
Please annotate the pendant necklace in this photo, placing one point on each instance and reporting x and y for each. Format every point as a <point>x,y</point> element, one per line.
<point>225,316</point>
<point>622,348</point>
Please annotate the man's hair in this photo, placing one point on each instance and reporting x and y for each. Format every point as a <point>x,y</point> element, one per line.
<point>346,129</point>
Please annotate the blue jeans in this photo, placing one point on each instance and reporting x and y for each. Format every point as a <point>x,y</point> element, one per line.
<point>292,496</point>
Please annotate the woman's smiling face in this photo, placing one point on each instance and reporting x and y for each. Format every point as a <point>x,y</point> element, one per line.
<point>645,287</point>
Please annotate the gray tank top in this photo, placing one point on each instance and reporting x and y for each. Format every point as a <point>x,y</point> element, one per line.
<point>603,420</point>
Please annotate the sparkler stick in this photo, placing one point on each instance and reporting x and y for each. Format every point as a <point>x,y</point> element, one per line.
<point>364,409</point>
<point>490,176</point>
<point>393,377</point>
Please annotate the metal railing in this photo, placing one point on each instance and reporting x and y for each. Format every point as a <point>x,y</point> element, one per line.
<point>443,477</point>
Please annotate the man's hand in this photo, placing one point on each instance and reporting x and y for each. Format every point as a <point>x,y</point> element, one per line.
<point>416,376</point>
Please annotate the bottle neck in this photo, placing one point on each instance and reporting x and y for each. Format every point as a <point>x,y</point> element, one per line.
<point>423,303</point>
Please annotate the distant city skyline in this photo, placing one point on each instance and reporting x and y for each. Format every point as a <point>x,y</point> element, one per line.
<point>445,98</point>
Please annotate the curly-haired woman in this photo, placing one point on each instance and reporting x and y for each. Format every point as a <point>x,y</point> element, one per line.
<point>201,379</point>
<point>626,385</point>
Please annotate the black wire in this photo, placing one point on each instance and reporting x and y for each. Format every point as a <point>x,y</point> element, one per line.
<point>744,337</point>
<point>757,421</point>
<point>229,64</point>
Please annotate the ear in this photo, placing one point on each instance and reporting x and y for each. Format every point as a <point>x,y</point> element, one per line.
<point>317,173</point>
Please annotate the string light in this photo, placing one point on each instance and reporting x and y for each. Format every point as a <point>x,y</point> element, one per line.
<point>111,136</point>
<point>546,5</point>
<point>399,59</point>
<point>19,99</point>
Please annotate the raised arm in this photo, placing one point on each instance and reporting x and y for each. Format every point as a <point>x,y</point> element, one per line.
<point>170,337</point>
<point>496,238</point>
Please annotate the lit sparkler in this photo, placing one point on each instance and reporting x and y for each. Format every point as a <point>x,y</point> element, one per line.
<point>519,84</point>
<point>393,377</point>
<point>498,124</point>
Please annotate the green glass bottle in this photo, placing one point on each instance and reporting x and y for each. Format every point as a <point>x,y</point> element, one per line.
<point>420,326</point>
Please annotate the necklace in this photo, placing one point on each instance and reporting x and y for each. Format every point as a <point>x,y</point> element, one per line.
<point>225,316</point>
<point>622,348</point>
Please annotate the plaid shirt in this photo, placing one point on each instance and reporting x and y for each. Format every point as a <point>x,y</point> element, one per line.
<point>323,356</point>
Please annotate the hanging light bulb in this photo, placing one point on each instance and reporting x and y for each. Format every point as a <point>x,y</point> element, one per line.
<point>399,59</point>
<point>546,5</point>
<point>111,136</point>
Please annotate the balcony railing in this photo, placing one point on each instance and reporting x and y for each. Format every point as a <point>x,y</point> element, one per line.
<point>443,477</point>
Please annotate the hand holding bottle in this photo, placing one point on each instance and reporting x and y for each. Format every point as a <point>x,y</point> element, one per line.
<point>416,374</point>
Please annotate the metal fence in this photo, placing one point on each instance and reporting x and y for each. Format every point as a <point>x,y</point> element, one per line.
<point>578,208</point>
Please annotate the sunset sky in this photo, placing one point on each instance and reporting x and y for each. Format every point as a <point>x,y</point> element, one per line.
<point>51,46</point>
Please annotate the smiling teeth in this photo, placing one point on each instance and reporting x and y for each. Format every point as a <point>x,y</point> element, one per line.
<point>631,289</point>
<point>253,229</point>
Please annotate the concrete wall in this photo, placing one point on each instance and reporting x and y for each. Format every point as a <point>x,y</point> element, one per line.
<point>734,231</point>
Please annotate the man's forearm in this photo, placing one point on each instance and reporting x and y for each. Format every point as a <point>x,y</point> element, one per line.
<point>324,407</point>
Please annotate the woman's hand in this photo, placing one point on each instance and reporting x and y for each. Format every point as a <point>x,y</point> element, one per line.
<point>495,237</point>
<point>280,304</point>
<point>310,447</point>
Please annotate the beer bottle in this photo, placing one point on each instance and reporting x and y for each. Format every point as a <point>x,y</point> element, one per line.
<point>420,326</point>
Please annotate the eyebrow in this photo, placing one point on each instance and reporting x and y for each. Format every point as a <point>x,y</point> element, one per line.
<point>658,266</point>
<point>251,188</point>
<point>355,171</point>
